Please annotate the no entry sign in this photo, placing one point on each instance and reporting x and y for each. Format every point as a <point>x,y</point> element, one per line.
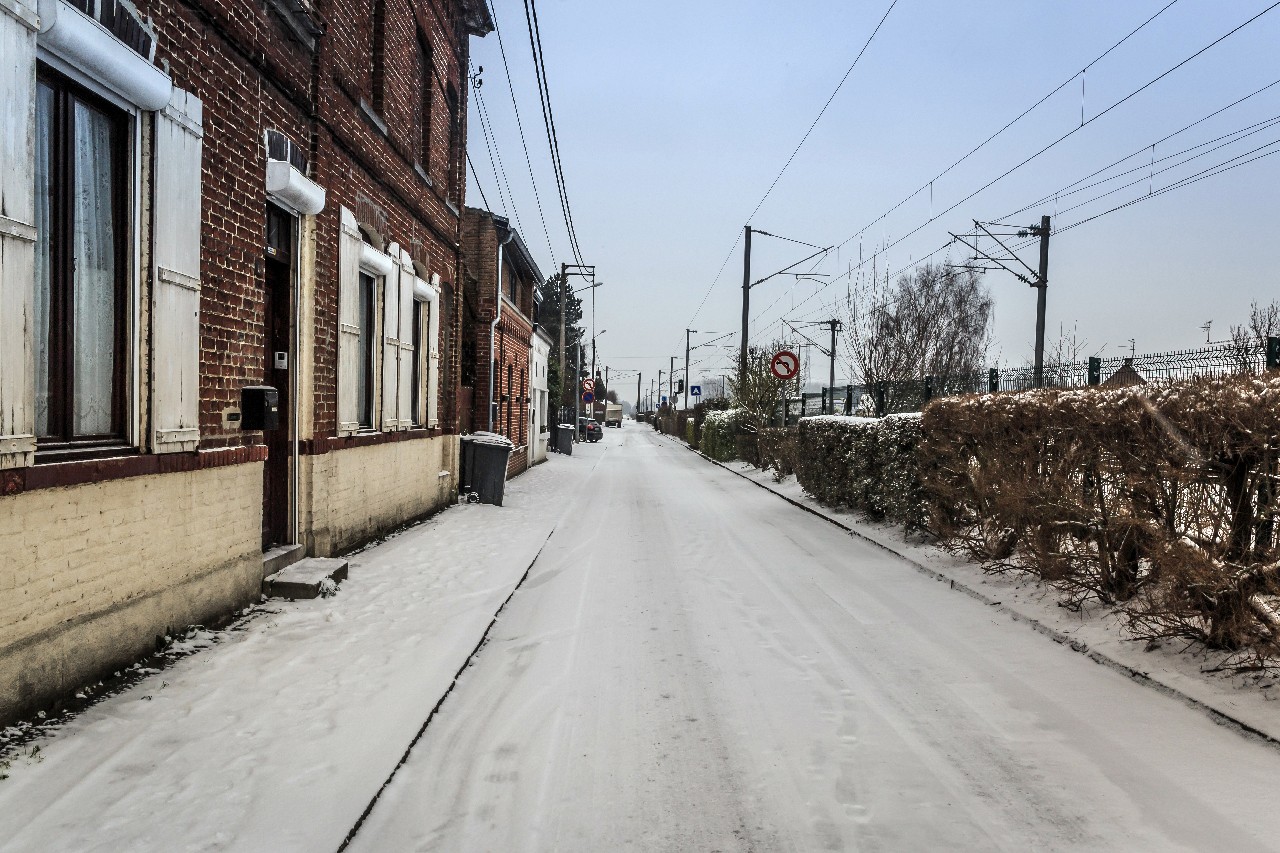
<point>785,365</point>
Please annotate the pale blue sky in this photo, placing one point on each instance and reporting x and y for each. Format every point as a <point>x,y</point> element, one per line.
<point>674,118</point>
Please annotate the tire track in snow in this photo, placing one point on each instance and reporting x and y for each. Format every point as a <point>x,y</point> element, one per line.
<point>466,664</point>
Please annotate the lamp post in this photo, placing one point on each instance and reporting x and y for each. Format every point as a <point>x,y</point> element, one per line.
<point>586,271</point>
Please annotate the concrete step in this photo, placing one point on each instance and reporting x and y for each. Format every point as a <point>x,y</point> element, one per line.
<point>281,557</point>
<point>309,578</point>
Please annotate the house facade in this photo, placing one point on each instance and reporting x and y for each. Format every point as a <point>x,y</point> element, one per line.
<point>539,400</point>
<point>230,244</point>
<point>502,291</point>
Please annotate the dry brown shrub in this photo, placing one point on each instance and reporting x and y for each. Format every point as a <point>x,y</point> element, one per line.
<point>1158,499</point>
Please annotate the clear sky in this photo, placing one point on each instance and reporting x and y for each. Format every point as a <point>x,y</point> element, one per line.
<point>673,120</point>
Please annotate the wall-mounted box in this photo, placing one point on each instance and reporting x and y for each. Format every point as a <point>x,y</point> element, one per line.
<point>259,407</point>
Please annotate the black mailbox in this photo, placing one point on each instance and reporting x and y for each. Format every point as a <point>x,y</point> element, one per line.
<point>259,407</point>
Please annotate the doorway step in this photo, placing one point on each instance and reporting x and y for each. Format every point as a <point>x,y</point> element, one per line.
<point>309,578</point>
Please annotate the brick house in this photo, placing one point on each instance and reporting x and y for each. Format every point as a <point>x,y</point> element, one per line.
<point>501,284</point>
<point>199,196</point>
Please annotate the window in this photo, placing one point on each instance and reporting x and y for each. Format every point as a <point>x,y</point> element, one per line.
<point>365,353</point>
<point>507,423</point>
<point>379,56</point>
<point>422,116</point>
<point>419,351</point>
<point>455,131</point>
<point>80,329</point>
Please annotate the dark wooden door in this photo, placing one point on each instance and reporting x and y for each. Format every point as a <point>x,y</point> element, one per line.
<point>278,367</point>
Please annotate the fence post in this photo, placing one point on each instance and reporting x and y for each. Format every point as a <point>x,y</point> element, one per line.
<point>848,400</point>
<point>928,388</point>
<point>1095,370</point>
<point>1273,353</point>
<point>993,380</point>
<point>881,389</point>
<point>824,401</point>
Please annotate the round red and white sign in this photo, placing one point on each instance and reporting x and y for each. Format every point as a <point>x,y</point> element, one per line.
<point>588,385</point>
<point>785,365</point>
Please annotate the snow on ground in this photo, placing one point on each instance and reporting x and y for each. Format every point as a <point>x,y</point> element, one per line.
<point>276,737</point>
<point>1250,698</point>
<point>694,664</point>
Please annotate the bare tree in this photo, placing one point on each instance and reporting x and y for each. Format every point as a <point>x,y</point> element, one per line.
<point>1249,341</point>
<point>758,390</point>
<point>934,321</point>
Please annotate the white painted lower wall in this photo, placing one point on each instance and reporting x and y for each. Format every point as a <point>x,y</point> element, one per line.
<point>91,574</point>
<point>355,494</point>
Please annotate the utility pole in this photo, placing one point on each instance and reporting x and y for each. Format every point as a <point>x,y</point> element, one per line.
<point>1041,285</point>
<point>746,299</point>
<point>687,333</point>
<point>671,384</point>
<point>577,391</point>
<point>638,375</point>
<point>564,278</point>
<point>659,388</point>
<point>836,326</point>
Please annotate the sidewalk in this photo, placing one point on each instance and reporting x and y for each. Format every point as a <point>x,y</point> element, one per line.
<point>1247,702</point>
<point>277,736</point>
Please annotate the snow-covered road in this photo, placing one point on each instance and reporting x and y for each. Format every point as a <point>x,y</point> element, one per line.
<point>693,664</point>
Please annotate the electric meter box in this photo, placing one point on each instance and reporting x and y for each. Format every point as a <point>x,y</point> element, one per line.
<point>259,407</point>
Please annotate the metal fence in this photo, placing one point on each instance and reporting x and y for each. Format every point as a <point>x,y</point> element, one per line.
<point>881,398</point>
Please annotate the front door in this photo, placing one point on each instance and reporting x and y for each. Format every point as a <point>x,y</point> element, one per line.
<point>278,367</point>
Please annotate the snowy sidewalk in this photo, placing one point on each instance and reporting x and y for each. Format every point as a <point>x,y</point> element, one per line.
<point>1245,702</point>
<point>277,736</point>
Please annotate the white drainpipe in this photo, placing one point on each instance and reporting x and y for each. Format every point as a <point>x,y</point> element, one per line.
<point>493,327</point>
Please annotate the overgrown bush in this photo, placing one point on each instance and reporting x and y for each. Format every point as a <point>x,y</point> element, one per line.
<point>866,464</point>
<point>1161,500</point>
<point>689,434</point>
<point>719,430</point>
<point>778,448</point>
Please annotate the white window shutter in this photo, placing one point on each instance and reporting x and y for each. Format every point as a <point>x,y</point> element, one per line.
<point>391,343</point>
<point>349,248</point>
<point>17,232</point>
<point>433,357</point>
<point>175,307</point>
<point>404,386</point>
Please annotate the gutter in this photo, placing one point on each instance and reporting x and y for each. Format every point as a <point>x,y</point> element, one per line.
<point>497,317</point>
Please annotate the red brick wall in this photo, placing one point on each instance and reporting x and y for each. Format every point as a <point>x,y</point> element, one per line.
<point>251,75</point>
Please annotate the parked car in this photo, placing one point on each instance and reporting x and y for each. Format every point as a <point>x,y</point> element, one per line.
<point>594,432</point>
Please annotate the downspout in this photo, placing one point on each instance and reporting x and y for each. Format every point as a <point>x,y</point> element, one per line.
<point>497,317</point>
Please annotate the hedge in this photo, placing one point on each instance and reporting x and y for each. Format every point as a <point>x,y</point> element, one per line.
<point>719,431</point>
<point>866,464</point>
<point>1159,500</point>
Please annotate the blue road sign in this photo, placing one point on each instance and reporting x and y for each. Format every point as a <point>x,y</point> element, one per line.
<point>695,390</point>
<point>588,397</point>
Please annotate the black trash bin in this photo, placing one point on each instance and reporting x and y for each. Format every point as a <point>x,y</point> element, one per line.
<point>564,439</point>
<point>484,466</point>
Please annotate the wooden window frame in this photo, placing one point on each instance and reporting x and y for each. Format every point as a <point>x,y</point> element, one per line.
<point>418,376</point>
<point>378,55</point>
<point>367,414</point>
<point>60,444</point>
<point>426,97</point>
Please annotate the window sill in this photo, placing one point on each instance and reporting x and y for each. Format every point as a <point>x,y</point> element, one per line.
<point>422,173</point>
<point>372,115</point>
<point>77,452</point>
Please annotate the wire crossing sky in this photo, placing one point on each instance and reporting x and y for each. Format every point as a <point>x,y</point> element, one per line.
<point>1144,129</point>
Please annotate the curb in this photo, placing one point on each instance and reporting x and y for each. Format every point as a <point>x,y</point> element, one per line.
<point>1217,715</point>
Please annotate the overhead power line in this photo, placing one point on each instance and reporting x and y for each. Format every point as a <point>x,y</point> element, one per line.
<point>1068,134</point>
<point>548,119</point>
<point>791,158</point>
<point>502,50</point>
